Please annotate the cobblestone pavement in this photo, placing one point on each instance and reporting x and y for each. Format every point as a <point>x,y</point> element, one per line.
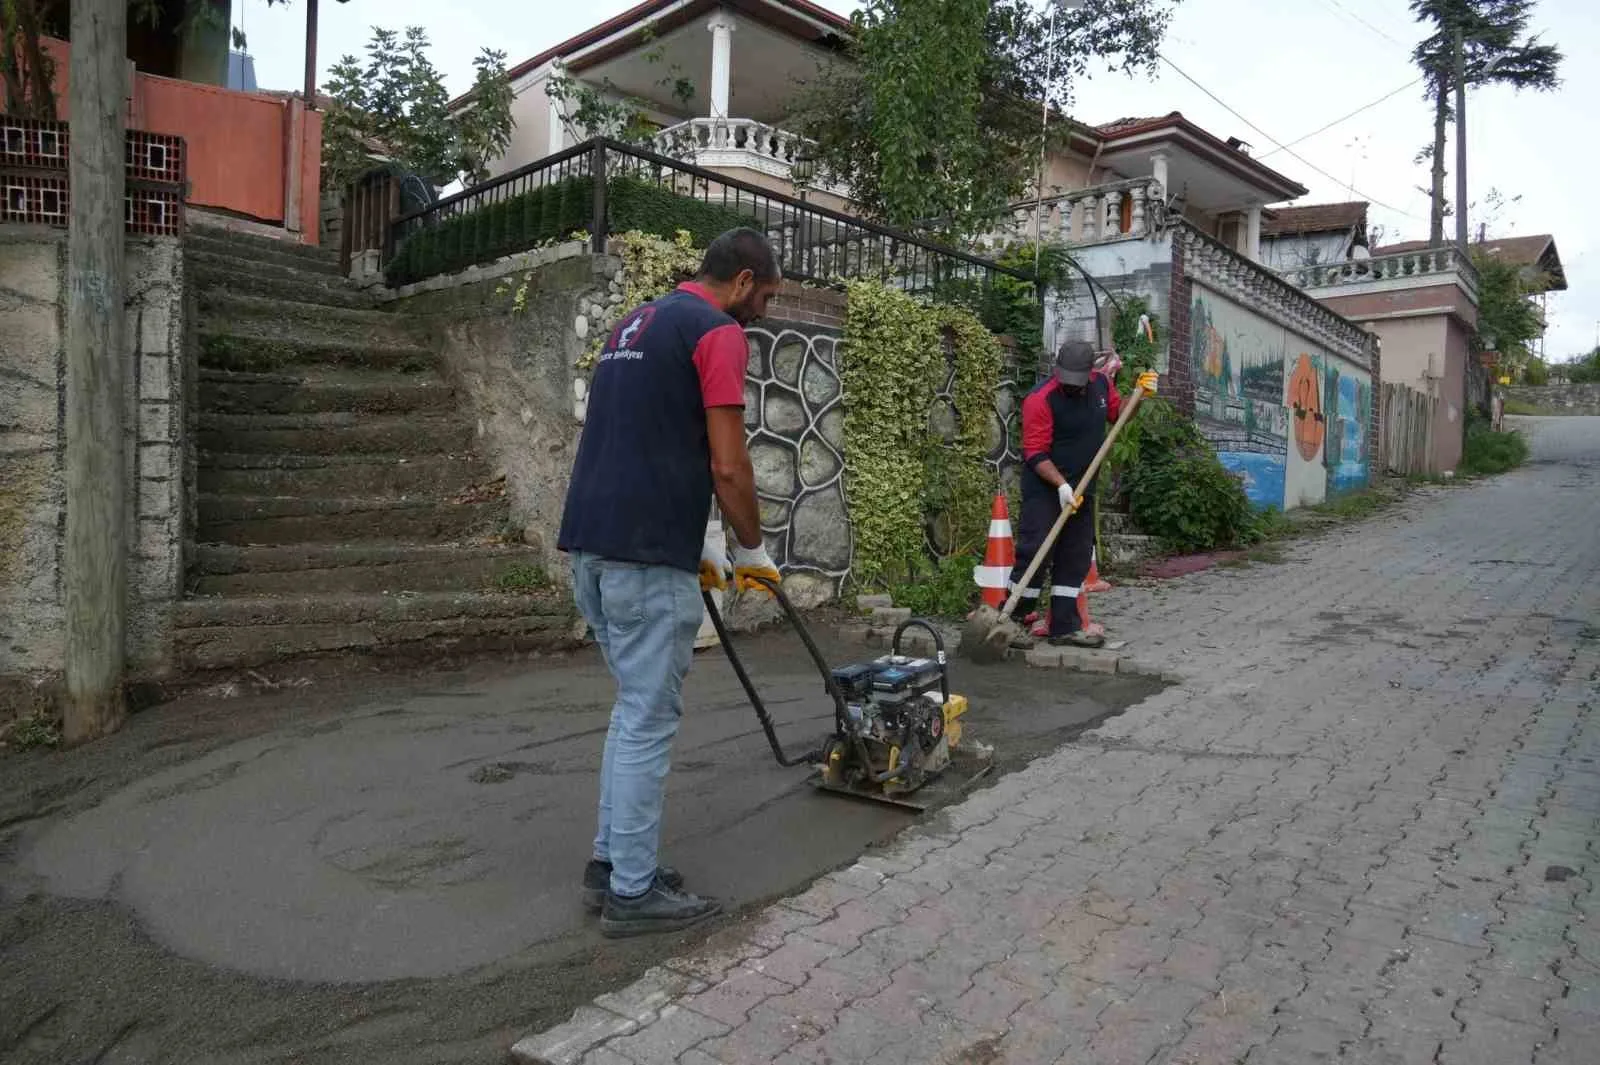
<point>1363,828</point>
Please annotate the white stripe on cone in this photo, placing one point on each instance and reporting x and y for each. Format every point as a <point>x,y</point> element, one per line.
<point>991,576</point>
<point>999,529</point>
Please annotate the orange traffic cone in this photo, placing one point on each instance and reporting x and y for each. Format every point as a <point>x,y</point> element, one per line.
<point>999,557</point>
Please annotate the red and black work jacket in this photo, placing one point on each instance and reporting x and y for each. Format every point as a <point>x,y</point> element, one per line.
<point>1067,427</point>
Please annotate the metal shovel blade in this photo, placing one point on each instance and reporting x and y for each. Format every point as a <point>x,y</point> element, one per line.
<point>986,637</point>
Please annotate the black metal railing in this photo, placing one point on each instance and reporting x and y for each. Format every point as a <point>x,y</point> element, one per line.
<point>603,187</point>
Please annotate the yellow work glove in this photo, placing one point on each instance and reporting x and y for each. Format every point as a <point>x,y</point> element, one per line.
<point>714,568</point>
<point>1147,382</point>
<point>751,563</point>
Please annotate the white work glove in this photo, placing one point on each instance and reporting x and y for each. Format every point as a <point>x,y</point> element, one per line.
<point>1067,496</point>
<point>750,563</point>
<point>714,568</point>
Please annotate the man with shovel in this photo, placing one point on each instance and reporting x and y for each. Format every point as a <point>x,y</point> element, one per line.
<point>1063,425</point>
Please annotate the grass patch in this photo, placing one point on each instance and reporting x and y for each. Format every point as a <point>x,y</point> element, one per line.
<point>35,730</point>
<point>522,577</point>
<point>1524,408</point>
<point>1488,452</point>
<point>1362,504</point>
<point>942,589</point>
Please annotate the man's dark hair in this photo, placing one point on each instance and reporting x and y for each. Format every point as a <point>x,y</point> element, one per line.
<point>738,250</point>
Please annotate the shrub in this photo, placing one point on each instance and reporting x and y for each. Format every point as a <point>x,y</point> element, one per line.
<point>1179,492</point>
<point>938,588</point>
<point>553,212</point>
<point>1489,452</point>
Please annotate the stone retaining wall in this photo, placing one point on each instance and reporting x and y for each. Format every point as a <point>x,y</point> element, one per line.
<point>1560,399</point>
<point>33,263</point>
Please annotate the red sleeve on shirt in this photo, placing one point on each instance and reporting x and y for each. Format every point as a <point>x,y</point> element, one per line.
<point>1113,400</point>
<point>720,357</point>
<point>1038,426</point>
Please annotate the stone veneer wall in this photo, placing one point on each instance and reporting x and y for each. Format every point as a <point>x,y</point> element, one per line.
<point>520,374</point>
<point>160,378</point>
<point>1573,398</point>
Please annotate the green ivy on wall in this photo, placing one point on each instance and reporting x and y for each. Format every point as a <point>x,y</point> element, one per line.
<point>898,471</point>
<point>970,483</point>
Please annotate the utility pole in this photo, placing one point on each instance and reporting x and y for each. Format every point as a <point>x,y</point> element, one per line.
<point>1461,141</point>
<point>311,55</point>
<point>95,557</point>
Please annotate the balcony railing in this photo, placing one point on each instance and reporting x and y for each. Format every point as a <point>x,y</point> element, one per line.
<point>603,188</point>
<point>741,141</point>
<point>1119,210</point>
<point>1414,266</point>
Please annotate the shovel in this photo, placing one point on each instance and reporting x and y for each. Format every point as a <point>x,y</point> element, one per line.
<point>988,633</point>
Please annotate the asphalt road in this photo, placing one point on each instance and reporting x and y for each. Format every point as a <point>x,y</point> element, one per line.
<point>385,868</point>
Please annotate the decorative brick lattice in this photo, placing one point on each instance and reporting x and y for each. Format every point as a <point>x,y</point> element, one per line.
<point>33,177</point>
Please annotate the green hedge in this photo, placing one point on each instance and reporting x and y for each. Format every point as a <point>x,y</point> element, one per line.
<point>552,212</point>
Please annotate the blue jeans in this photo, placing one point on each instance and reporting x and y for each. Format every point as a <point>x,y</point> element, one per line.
<point>645,619</point>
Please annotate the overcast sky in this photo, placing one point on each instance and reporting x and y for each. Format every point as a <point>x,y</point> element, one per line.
<point>1286,68</point>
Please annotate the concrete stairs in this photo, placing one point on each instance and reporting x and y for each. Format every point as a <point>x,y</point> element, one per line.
<point>342,505</point>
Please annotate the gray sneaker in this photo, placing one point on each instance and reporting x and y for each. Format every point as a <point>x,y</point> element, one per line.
<point>661,909</point>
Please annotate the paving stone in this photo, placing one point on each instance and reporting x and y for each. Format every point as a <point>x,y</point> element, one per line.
<point>1308,847</point>
<point>735,995</point>
<point>1083,659</point>
<point>644,998</point>
<point>566,1044</point>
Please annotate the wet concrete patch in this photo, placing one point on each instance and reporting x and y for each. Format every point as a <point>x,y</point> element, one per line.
<point>401,888</point>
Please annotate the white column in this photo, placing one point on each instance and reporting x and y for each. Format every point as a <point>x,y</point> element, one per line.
<point>721,26</point>
<point>1252,238</point>
<point>1158,169</point>
<point>556,138</point>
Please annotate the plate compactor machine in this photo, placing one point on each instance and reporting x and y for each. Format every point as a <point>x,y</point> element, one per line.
<point>896,725</point>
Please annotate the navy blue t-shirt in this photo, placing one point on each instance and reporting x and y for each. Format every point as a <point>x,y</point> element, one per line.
<point>641,485</point>
<point>1065,427</point>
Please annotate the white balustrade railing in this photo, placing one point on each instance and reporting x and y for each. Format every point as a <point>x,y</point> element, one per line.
<point>703,140</point>
<point>1418,265</point>
<point>1120,210</point>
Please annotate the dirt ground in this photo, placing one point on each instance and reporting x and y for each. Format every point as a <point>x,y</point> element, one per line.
<point>382,867</point>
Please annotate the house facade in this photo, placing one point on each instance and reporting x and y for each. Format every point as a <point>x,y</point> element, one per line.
<point>1296,237</point>
<point>1537,258</point>
<point>717,80</point>
<point>254,158</point>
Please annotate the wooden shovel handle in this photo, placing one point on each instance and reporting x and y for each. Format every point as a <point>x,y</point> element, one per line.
<point>1067,512</point>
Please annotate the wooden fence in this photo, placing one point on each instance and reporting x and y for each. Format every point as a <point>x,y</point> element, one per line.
<point>1406,422</point>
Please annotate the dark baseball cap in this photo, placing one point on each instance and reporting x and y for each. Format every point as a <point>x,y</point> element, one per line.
<point>1074,362</point>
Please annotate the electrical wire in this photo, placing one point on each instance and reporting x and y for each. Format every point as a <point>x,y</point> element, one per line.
<point>1338,121</point>
<point>1292,154</point>
<point>1368,25</point>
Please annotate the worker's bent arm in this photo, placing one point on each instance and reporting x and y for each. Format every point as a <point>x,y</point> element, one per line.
<point>1048,473</point>
<point>1113,400</point>
<point>733,475</point>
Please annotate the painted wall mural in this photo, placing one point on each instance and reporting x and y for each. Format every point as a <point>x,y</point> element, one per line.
<point>1349,403</point>
<point>795,420</point>
<point>1237,360</point>
<point>1285,416</point>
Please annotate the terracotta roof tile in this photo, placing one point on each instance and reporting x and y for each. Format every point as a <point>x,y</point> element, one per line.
<point>1129,123</point>
<point>1314,218</point>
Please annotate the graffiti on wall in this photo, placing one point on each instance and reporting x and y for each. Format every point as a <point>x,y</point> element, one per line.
<point>1349,413</point>
<point>1238,366</point>
<point>795,421</point>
